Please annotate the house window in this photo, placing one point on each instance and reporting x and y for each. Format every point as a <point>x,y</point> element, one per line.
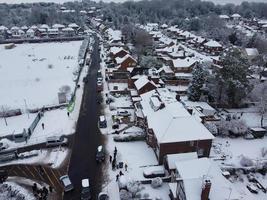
<point>200,152</point>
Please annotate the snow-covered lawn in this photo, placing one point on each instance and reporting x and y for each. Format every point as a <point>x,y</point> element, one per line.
<point>235,148</point>
<point>249,115</point>
<point>35,72</point>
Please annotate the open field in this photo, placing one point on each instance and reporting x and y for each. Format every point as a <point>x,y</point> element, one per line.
<point>36,72</point>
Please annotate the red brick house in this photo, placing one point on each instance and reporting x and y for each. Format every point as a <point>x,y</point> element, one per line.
<point>118,52</point>
<point>125,62</point>
<point>143,85</point>
<point>170,128</point>
<point>183,65</point>
<point>213,47</point>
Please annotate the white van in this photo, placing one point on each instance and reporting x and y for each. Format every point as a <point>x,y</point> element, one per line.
<point>56,141</point>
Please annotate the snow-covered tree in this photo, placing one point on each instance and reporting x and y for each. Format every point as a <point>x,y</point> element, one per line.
<point>231,82</point>
<point>246,162</point>
<point>150,62</point>
<point>196,86</point>
<point>156,182</point>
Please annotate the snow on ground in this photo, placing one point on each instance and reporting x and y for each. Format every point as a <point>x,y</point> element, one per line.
<point>5,194</point>
<point>53,157</point>
<point>234,148</point>
<point>35,72</point>
<point>249,115</point>
<point>15,124</point>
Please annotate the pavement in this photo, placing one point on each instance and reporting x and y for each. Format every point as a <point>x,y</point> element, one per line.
<point>87,137</point>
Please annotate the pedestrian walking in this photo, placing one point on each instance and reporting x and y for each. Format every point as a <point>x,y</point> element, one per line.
<point>34,187</point>
<point>117,177</point>
<point>68,114</point>
<point>110,158</point>
<point>121,174</point>
<point>43,126</point>
<point>126,167</point>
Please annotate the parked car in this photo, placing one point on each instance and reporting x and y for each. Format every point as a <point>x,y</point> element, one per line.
<point>103,196</point>
<point>102,122</point>
<point>56,141</point>
<point>67,185</point>
<point>252,188</point>
<point>123,113</point>
<point>85,194</point>
<point>100,154</point>
<point>3,146</point>
<point>155,171</point>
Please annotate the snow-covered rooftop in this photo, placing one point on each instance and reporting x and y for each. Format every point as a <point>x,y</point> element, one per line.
<point>176,124</point>
<point>142,81</point>
<point>187,62</point>
<point>206,170</point>
<point>212,43</point>
<point>173,158</point>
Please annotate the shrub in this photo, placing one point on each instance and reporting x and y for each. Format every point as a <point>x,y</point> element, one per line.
<point>246,162</point>
<point>156,182</point>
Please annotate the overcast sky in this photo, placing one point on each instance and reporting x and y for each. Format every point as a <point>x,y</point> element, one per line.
<point>62,1</point>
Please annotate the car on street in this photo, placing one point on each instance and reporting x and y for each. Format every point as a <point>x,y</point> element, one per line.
<point>123,113</point>
<point>100,154</point>
<point>54,141</point>
<point>103,196</point>
<point>85,193</point>
<point>67,185</point>
<point>102,122</point>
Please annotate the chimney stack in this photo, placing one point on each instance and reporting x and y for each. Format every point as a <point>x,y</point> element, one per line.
<point>206,190</point>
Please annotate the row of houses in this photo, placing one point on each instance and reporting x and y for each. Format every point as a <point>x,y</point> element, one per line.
<point>174,126</point>
<point>43,30</point>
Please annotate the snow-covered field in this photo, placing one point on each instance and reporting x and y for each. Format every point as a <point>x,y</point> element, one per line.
<point>35,72</point>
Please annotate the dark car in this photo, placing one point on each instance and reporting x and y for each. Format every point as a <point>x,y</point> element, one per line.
<point>100,154</point>
<point>103,196</point>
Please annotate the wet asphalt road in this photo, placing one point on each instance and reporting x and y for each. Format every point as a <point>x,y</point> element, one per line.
<point>87,137</point>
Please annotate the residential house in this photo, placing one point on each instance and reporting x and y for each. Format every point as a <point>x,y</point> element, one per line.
<point>117,52</point>
<point>143,85</point>
<point>170,127</point>
<point>201,179</point>
<point>213,47</point>
<point>183,65</point>
<point>125,62</point>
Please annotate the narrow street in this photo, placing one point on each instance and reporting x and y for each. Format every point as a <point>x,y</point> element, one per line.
<point>87,137</point>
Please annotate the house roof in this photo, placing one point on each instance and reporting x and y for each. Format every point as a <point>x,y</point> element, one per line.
<point>142,81</point>
<point>212,43</point>
<point>115,50</point>
<point>121,60</point>
<point>173,158</point>
<point>187,62</point>
<point>224,17</point>
<point>73,25</point>
<point>252,51</point>
<point>176,124</point>
<point>193,179</point>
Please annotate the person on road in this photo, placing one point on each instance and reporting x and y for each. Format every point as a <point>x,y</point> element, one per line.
<point>68,114</point>
<point>121,174</point>
<point>110,158</point>
<point>43,126</point>
<point>126,167</point>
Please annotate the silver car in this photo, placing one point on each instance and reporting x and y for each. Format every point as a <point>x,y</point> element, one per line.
<point>65,180</point>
